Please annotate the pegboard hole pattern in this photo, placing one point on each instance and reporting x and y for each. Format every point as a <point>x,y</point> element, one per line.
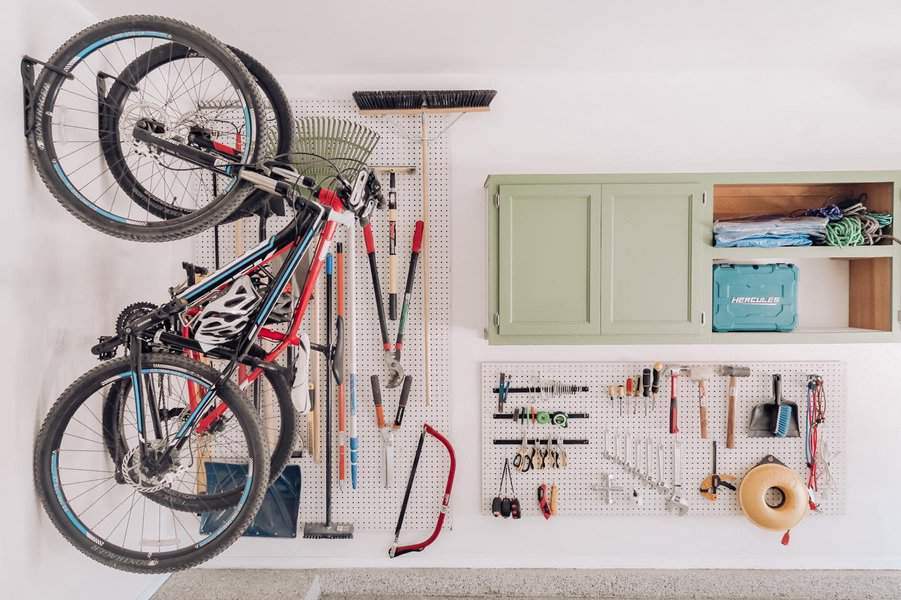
<point>371,506</point>
<point>609,424</point>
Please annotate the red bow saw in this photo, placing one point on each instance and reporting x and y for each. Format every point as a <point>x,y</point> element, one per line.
<point>396,550</point>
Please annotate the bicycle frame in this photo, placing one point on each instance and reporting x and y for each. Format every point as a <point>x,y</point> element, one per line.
<point>293,241</point>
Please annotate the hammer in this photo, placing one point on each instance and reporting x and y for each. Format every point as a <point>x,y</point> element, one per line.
<point>732,372</point>
<point>674,372</point>
<point>701,375</point>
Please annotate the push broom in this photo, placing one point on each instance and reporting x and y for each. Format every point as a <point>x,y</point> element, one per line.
<point>424,103</point>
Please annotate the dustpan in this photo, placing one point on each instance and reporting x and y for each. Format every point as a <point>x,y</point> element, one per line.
<point>764,416</point>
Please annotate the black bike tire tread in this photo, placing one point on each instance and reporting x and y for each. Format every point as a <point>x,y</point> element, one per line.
<point>281,106</point>
<point>224,208</point>
<point>110,559</point>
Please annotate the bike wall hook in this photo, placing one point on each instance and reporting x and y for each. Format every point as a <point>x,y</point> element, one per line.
<point>28,91</point>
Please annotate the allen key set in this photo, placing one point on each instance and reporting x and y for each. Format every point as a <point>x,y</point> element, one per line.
<point>641,436</point>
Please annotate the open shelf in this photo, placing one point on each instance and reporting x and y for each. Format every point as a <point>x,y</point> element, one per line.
<point>732,201</point>
<point>855,283</point>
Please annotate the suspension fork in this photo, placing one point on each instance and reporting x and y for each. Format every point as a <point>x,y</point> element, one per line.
<point>140,392</point>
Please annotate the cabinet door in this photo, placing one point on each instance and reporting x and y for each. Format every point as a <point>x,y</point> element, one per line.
<point>549,260</point>
<point>649,244</point>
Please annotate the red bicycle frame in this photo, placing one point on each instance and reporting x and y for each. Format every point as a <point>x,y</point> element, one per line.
<point>329,199</point>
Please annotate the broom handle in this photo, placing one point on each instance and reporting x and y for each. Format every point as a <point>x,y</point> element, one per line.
<point>424,167</point>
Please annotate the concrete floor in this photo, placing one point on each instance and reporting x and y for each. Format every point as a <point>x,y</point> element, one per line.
<point>533,584</point>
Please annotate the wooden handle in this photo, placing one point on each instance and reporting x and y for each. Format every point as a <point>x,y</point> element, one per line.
<point>704,423</point>
<point>730,415</point>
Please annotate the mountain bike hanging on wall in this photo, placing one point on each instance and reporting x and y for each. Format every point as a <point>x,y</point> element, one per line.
<point>110,95</point>
<point>124,461</point>
<point>126,490</point>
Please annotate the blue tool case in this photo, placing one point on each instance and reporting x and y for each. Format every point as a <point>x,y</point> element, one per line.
<point>755,297</point>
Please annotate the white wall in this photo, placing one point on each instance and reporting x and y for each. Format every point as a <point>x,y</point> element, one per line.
<point>62,281</point>
<point>658,122</point>
<point>62,285</point>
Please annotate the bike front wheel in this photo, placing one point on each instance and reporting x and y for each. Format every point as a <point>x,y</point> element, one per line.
<point>103,503</point>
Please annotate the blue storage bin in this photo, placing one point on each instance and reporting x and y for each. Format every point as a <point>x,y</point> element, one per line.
<point>755,297</point>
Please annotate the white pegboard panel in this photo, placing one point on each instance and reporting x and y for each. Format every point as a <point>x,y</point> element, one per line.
<point>577,483</point>
<point>371,506</point>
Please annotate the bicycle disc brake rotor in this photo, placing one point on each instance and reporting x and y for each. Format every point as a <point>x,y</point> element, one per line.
<point>151,474</point>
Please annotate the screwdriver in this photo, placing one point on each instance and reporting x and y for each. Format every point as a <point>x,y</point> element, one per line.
<point>611,391</point>
<point>655,385</point>
<point>629,393</point>
<point>646,387</point>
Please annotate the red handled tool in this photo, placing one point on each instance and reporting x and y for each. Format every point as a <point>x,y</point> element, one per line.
<point>395,550</point>
<point>396,375</point>
<point>390,361</point>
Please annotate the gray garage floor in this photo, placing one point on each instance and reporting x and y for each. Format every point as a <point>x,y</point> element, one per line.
<point>533,584</point>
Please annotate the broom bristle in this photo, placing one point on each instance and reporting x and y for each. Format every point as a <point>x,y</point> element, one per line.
<point>335,531</point>
<point>417,99</point>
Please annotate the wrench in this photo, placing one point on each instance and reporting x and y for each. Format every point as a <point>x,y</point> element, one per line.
<point>661,482</point>
<point>647,461</point>
<point>676,503</point>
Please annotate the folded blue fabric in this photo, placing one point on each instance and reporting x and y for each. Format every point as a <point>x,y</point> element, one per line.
<point>767,241</point>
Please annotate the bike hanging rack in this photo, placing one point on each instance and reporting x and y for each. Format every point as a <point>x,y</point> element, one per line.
<point>28,92</point>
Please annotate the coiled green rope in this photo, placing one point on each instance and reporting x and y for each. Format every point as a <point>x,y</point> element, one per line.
<point>862,229</point>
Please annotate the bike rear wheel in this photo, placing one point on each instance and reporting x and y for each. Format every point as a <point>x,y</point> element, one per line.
<point>76,128</point>
<point>100,504</point>
<point>276,112</point>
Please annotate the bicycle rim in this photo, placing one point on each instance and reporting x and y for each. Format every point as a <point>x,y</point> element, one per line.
<point>138,185</point>
<point>105,499</point>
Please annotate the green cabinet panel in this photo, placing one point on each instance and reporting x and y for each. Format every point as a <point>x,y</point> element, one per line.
<point>549,259</point>
<point>650,284</point>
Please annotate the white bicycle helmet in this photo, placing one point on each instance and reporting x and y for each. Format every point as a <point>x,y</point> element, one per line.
<point>226,317</point>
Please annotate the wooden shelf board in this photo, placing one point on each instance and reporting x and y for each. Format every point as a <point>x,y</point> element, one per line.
<point>804,335</point>
<point>801,252</point>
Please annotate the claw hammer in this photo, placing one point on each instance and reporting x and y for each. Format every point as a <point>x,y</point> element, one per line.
<point>732,372</point>
<point>674,372</point>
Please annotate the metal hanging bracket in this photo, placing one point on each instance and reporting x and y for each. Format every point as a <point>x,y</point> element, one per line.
<point>28,90</point>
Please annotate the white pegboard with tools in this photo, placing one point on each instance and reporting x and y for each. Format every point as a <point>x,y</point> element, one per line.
<point>562,389</point>
<point>371,505</point>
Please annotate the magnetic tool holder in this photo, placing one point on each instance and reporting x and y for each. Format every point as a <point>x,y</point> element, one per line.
<point>516,442</point>
<point>550,388</point>
<point>530,415</point>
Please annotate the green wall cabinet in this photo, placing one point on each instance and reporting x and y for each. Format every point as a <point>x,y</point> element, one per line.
<point>627,259</point>
<point>550,259</point>
<point>648,241</point>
